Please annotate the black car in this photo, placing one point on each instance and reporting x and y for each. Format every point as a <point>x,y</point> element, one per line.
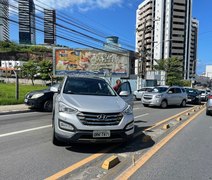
<point>40,99</point>
<point>193,96</point>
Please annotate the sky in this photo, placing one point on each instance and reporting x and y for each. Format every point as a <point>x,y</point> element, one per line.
<point>118,18</point>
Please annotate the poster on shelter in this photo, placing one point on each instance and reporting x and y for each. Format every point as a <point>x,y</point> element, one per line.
<point>90,62</point>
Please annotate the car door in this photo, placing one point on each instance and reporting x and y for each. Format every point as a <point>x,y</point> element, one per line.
<point>125,92</point>
<point>171,96</point>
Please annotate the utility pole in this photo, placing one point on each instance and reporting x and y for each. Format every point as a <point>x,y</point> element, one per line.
<point>142,59</point>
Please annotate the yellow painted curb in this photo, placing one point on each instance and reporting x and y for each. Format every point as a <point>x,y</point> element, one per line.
<point>166,126</point>
<point>110,162</point>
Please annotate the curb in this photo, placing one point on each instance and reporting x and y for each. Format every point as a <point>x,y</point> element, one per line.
<point>15,111</point>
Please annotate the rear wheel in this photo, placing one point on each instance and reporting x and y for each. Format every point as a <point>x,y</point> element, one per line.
<point>183,104</point>
<point>48,105</point>
<point>164,104</point>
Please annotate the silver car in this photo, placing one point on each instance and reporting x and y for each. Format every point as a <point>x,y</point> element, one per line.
<point>89,110</point>
<point>139,93</point>
<point>209,105</point>
<point>163,96</point>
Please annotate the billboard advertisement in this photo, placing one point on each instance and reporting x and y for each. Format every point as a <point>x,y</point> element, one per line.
<point>90,62</point>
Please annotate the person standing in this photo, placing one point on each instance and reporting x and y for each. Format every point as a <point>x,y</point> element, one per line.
<point>117,86</point>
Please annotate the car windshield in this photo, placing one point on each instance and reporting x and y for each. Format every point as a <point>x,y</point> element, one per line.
<point>158,89</point>
<point>88,86</point>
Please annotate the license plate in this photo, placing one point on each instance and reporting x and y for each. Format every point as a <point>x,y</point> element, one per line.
<point>189,100</point>
<point>97,134</point>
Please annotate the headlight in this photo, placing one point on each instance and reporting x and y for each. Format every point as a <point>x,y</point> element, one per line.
<point>128,110</point>
<point>158,96</point>
<point>35,96</point>
<point>67,109</point>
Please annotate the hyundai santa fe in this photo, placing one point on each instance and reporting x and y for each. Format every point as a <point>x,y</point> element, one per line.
<point>89,110</point>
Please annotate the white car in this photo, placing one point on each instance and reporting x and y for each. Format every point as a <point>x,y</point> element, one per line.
<point>139,93</point>
<point>89,110</point>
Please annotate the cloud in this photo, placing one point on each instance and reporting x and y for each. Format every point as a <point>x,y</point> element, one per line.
<point>80,4</point>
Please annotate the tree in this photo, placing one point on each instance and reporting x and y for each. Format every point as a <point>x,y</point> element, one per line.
<point>30,69</point>
<point>45,70</point>
<point>173,68</point>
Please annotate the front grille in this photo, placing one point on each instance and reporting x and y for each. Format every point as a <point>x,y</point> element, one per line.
<point>100,119</point>
<point>147,97</point>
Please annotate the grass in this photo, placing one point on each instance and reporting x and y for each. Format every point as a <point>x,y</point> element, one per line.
<point>8,92</point>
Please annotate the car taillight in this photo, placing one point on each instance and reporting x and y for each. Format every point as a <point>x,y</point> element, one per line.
<point>210,97</point>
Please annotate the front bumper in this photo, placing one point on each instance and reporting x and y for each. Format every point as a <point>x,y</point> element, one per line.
<point>152,102</point>
<point>35,103</point>
<point>82,136</point>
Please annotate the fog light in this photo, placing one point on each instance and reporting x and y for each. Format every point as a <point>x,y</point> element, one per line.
<point>130,126</point>
<point>66,126</point>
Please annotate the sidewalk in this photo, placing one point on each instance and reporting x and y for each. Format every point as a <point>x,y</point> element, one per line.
<point>5,109</point>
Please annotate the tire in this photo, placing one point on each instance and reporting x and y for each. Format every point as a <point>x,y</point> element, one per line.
<point>183,103</point>
<point>146,105</point>
<point>207,113</point>
<point>164,104</point>
<point>48,105</point>
<point>55,141</point>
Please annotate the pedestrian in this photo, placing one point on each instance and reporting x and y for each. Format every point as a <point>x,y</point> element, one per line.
<point>117,86</point>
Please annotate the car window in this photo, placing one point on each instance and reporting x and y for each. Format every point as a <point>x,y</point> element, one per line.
<point>171,90</point>
<point>183,90</point>
<point>158,89</point>
<point>178,90</point>
<point>124,87</point>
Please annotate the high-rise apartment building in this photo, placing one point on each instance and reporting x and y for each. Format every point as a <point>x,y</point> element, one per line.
<point>4,22</point>
<point>164,28</point>
<point>49,26</point>
<point>27,31</point>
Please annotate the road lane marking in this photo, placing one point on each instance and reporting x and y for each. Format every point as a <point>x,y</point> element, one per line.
<point>132,169</point>
<point>23,131</point>
<point>141,115</point>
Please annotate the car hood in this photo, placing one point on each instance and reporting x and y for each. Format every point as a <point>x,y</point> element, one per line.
<point>99,104</point>
<point>39,91</point>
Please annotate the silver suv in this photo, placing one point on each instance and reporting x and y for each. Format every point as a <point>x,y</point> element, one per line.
<point>163,96</point>
<point>89,110</point>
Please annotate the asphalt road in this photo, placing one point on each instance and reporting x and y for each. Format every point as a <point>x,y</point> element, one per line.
<point>188,156</point>
<point>26,150</point>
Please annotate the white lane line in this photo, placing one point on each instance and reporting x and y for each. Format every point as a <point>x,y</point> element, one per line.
<point>26,130</point>
<point>141,115</point>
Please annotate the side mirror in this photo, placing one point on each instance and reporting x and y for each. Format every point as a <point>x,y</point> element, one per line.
<point>54,89</point>
<point>124,93</point>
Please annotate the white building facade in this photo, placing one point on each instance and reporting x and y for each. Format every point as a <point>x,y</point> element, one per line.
<point>208,71</point>
<point>166,29</point>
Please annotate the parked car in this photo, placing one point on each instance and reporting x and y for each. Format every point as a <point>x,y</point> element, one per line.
<point>209,105</point>
<point>163,96</point>
<point>138,93</point>
<point>193,96</point>
<point>40,99</point>
<point>89,110</point>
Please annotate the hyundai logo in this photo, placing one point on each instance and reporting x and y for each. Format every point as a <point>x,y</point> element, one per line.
<point>102,117</point>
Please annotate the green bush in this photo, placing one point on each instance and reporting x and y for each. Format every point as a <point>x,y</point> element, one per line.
<point>8,92</point>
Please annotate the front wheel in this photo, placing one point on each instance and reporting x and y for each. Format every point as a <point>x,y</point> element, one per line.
<point>48,105</point>
<point>183,104</point>
<point>164,104</point>
<point>145,105</point>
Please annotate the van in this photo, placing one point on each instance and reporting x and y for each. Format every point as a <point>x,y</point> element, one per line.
<point>87,109</point>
